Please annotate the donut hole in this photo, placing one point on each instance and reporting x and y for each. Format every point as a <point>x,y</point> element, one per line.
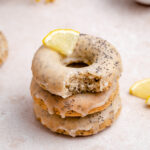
<point>77,65</point>
<point>76,62</point>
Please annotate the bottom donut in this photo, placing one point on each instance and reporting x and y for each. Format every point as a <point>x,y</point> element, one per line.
<point>80,126</point>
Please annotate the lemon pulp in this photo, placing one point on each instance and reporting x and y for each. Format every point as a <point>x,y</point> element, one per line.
<point>61,40</point>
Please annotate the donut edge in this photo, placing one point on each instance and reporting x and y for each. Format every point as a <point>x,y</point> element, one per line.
<point>5,53</point>
<point>3,59</point>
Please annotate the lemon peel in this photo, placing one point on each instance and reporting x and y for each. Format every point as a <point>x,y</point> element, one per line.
<point>141,88</point>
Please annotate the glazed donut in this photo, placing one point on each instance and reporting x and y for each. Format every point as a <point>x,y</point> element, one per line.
<point>52,72</point>
<point>76,105</point>
<point>79,126</point>
<point>3,48</point>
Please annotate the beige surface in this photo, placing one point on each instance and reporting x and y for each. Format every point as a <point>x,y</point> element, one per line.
<point>123,23</point>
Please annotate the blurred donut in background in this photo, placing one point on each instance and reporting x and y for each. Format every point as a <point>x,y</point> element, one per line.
<point>143,2</point>
<point>3,48</point>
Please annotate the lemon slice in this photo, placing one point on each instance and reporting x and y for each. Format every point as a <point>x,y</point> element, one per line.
<point>141,88</point>
<point>61,40</point>
<point>148,101</point>
<point>45,1</point>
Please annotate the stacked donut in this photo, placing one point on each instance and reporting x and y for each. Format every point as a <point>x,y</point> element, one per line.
<point>77,95</point>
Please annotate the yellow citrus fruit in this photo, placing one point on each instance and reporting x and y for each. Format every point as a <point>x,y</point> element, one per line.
<point>148,101</point>
<point>45,1</point>
<point>141,88</point>
<point>61,40</point>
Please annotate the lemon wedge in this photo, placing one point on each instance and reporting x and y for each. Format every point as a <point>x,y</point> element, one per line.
<point>141,88</point>
<point>61,40</point>
<point>45,1</point>
<point>148,101</point>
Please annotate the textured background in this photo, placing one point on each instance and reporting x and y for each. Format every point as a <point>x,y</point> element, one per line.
<point>122,22</point>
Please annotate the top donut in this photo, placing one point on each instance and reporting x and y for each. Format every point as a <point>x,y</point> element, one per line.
<point>58,75</point>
